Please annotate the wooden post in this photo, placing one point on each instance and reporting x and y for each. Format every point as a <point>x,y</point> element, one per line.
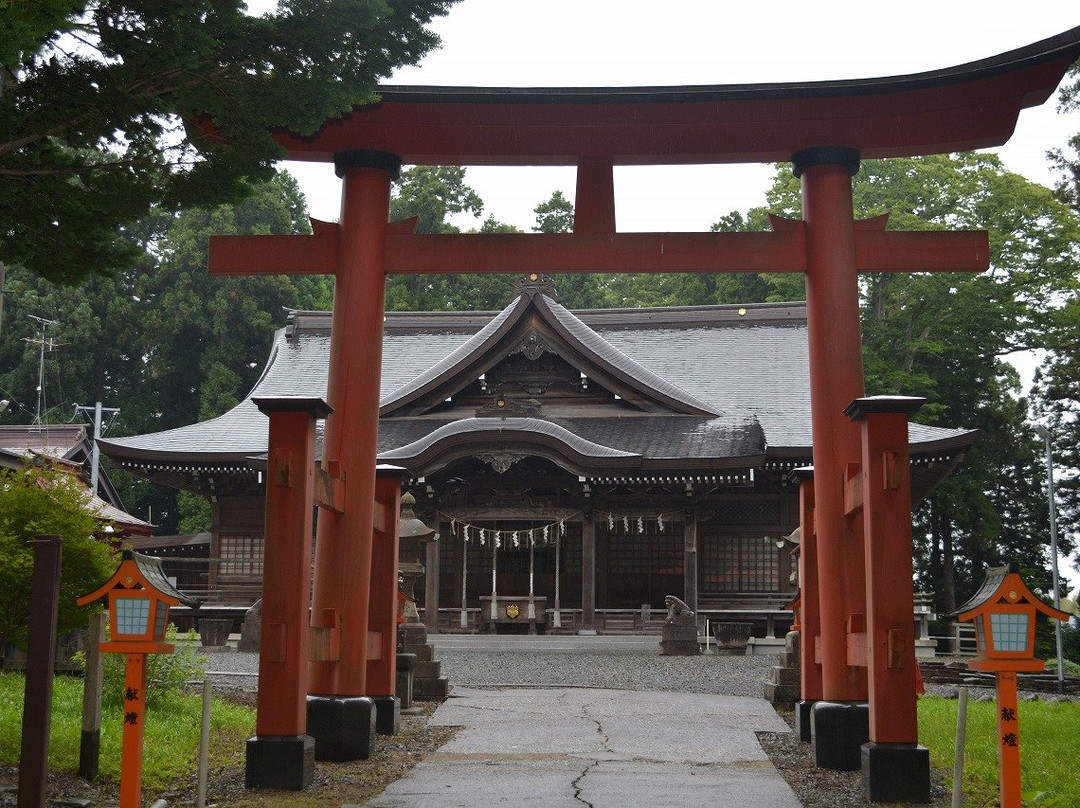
<point>383,606</point>
<point>588,573</point>
<point>40,659</point>
<point>809,617</point>
<point>895,767</point>
<point>342,589</point>
<point>290,498</point>
<point>890,596</point>
<point>90,741</point>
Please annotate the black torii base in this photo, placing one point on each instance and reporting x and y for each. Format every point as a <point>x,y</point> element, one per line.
<point>343,727</point>
<point>284,762</point>
<point>895,772</point>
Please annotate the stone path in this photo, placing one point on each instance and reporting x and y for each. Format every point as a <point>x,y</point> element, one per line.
<point>605,748</point>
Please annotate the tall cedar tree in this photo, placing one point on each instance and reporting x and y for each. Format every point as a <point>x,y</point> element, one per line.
<point>945,337</point>
<point>103,105</point>
<point>1057,382</point>
<point>163,341</point>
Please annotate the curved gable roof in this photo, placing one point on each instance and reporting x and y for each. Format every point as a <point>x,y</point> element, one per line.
<point>467,436</point>
<point>578,344</point>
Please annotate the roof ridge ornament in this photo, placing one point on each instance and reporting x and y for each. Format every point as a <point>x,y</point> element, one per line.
<point>534,284</point>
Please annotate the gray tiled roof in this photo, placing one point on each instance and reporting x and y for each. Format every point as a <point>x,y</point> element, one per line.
<point>747,363</point>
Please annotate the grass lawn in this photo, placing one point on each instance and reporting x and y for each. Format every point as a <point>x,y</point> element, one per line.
<point>171,745</point>
<point>1047,740</point>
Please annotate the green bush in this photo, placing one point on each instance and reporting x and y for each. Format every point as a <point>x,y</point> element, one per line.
<point>166,674</point>
<point>1071,668</point>
<point>36,501</point>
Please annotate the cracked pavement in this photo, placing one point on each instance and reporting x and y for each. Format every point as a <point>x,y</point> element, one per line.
<point>601,748</point>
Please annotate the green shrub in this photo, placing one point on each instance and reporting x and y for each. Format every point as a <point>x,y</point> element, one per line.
<point>1071,668</point>
<point>36,501</point>
<point>166,674</point>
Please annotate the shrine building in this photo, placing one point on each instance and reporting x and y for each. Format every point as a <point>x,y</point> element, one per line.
<point>596,460</point>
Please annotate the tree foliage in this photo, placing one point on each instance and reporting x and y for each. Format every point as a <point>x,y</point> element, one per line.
<point>433,195</point>
<point>163,341</point>
<point>104,107</point>
<point>1057,381</point>
<point>1067,158</point>
<point>34,502</point>
<point>945,336</point>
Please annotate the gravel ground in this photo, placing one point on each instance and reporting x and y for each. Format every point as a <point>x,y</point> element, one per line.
<point>637,669</point>
<point>515,665</point>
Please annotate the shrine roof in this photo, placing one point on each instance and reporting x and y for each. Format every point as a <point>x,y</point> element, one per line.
<point>592,349</point>
<point>969,106</point>
<point>748,363</point>
<point>639,443</point>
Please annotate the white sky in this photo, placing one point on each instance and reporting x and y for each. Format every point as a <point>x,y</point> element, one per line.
<point>596,43</point>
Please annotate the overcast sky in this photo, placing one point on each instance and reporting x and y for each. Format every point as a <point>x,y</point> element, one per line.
<point>596,43</point>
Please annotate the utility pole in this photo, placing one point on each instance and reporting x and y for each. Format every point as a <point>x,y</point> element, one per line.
<point>95,461</point>
<point>1047,437</point>
<point>3,272</point>
<point>43,342</point>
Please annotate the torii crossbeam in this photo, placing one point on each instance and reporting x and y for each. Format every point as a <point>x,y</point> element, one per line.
<point>823,128</point>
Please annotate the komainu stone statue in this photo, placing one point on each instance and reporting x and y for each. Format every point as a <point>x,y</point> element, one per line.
<point>677,609</point>
<point>680,635</point>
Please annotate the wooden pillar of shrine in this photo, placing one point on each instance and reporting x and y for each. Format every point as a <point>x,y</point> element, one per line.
<point>836,379</point>
<point>690,559</point>
<point>895,767</point>
<point>339,712</point>
<point>588,573</point>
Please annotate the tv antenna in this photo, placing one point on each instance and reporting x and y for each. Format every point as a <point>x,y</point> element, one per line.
<point>44,343</point>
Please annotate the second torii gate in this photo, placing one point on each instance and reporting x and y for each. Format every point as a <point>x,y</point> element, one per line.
<point>822,128</point>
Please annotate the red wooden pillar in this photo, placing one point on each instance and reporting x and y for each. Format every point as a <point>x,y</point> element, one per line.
<point>809,618</point>
<point>340,714</point>
<point>383,610</point>
<point>1008,741</point>
<point>895,768</point>
<point>836,378</point>
<point>341,593</point>
<point>282,755</point>
<point>594,197</point>
<point>131,773</point>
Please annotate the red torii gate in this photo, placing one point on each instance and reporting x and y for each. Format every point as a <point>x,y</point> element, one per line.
<point>823,128</point>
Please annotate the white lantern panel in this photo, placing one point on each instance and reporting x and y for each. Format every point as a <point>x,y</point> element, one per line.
<point>132,616</point>
<point>1010,631</point>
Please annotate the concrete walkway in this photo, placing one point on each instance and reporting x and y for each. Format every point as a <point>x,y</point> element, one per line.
<point>557,747</point>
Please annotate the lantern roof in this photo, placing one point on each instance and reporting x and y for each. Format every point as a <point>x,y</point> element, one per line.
<point>1004,585</point>
<point>137,571</point>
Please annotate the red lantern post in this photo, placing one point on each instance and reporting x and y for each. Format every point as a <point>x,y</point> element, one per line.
<point>139,597</point>
<point>1003,611</point>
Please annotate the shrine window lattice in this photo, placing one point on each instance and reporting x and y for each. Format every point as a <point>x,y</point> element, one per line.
<point>241,555</point>
<point>740,564</point>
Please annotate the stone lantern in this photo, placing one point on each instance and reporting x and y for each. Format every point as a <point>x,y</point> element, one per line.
<point>412,536</point>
